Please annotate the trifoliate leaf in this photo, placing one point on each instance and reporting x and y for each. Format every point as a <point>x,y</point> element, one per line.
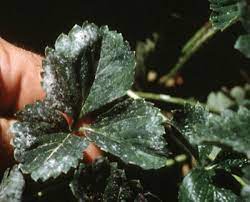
<point>12,186</point>
<point>115,71</point>
<point>88,69</point>
<point>131,130</point>
<point>55,154</point>
<point>198,186</point>
<point>224,13</point>
<point>229,129</point>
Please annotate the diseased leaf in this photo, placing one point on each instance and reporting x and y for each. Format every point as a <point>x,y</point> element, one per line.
<point>12,186</point>
<point>225,13</point>
<point>88,69</point>
<point>198,186</point>
<point>26,134</point>
<point>55,154</point>
<point>229,98</point>
<point>219,101</point>
<point>61,80</point>
<point>114,74</point>
<point>141,144</point>
<point>230,129</point>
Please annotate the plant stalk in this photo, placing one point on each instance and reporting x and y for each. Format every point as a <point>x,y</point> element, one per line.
<point>206,32</point>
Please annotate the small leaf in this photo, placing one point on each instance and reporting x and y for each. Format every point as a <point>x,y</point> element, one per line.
<point>141,143</point>
<point>198,186</point>
<point>54,154</point>
<point>225,13</point>
<point>12,186</point>
<point>114,74</point>
<point>219,101</point>
<point>243,44</point>
<point>230,129</point>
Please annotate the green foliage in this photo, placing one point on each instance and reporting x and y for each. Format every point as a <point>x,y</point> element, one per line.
<point>229,99</point>
<point>199,186</point>
<point>104,181</point>
<point>225,13</point>
<point>229,129</point>
<point>12,186</point>
<point>243,44</point>
<point>88,70</point>
<point>142,143</point>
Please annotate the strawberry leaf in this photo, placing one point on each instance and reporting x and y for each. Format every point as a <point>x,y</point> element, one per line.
<point>131,130</point>
<point>12,185</point>
<point>114,74</point>
<point>54,154</point>
<point>229,129</point>
<point>225,13</point>
<point>90,68</point>
<point>198,186</point>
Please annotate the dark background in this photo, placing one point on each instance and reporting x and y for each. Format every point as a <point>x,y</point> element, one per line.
<point>35,24</point>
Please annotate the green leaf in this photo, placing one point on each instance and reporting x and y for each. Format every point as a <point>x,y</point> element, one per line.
<point>224,13</point>
<point>141,143</point>
<point>243,45</point>
<point>198,186</point>
<point>104,181</point>
<point>55,154</point>
<point>64,75</point>
<point>89,69</point>
<point>219,101</point>
<point>114,74</point>
<point>12,186</point>
<point>230,129</point>
<point>229,98</point>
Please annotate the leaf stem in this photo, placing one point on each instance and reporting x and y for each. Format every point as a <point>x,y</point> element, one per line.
<point>206,32</point>
<point>167,99</point>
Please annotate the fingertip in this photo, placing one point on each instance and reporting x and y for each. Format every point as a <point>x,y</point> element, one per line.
<point>6,149</point>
